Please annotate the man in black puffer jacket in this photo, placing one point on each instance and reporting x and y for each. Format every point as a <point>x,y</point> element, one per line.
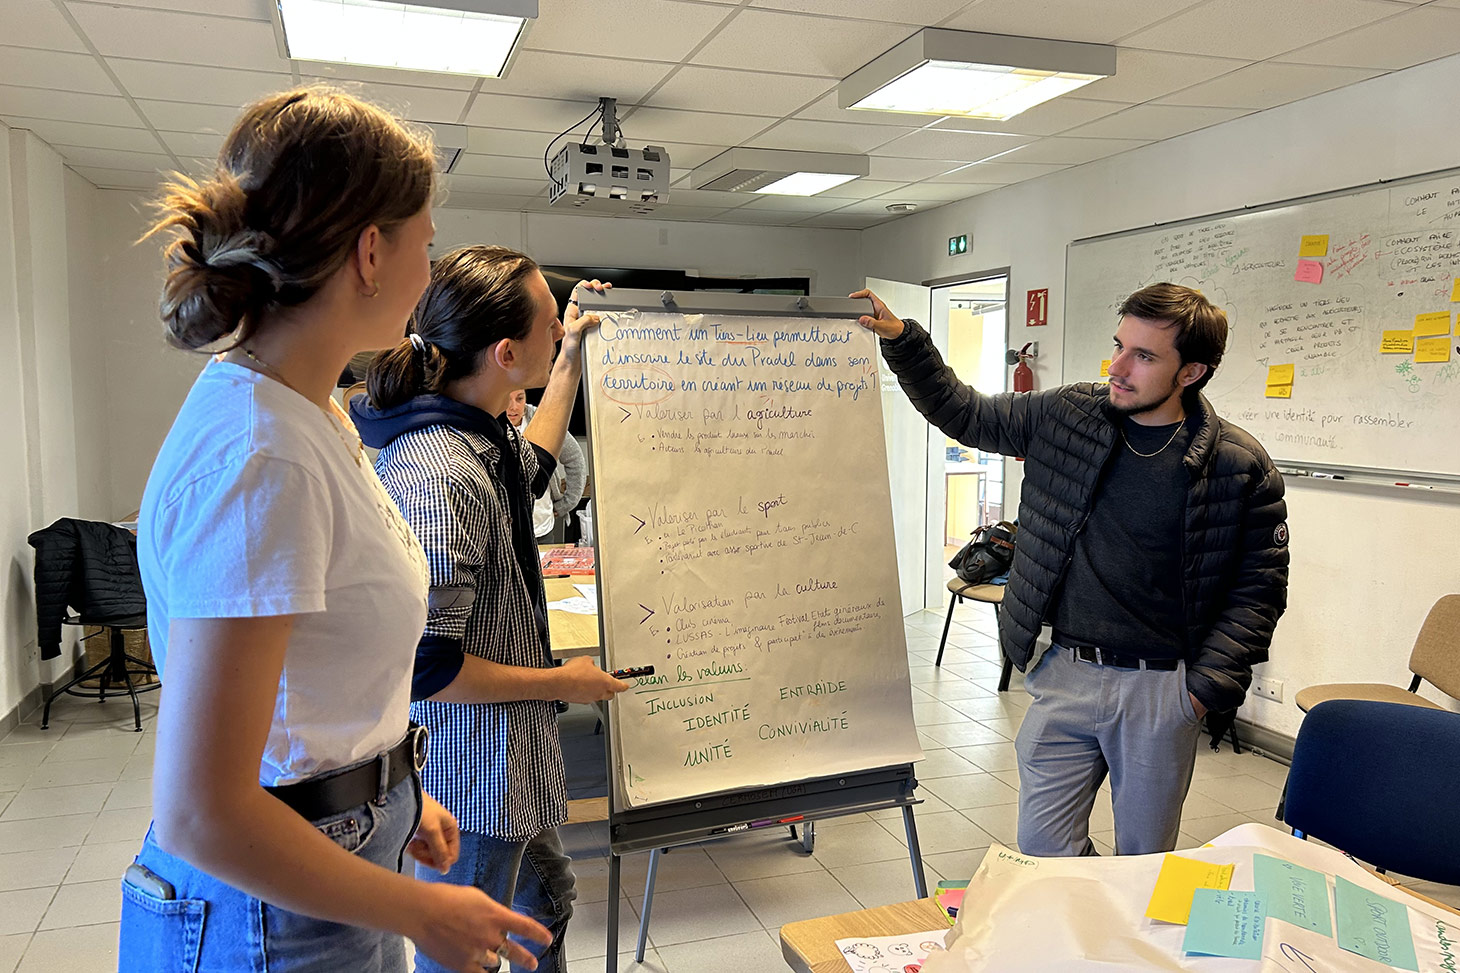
<point>1153,539</point>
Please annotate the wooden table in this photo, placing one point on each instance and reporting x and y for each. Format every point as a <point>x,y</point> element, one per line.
<point>809,946</point>
<point>570,634</point>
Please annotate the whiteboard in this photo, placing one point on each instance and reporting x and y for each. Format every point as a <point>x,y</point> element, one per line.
<point>745,550</point>
<point>1392,253</point>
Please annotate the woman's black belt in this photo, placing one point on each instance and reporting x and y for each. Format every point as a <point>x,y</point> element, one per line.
<point>338,791</point>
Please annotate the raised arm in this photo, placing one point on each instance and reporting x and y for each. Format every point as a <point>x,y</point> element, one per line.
<point>550,423</point>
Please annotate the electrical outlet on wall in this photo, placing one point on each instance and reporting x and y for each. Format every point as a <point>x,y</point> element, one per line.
<point>1268,688</point>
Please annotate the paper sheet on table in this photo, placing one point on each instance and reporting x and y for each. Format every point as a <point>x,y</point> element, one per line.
<point>576,606</point>
<point>886,954</point>
<point>1087,915</point>
<point>589,591</point>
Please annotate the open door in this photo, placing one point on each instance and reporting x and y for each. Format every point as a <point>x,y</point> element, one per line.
<point>907,454</point>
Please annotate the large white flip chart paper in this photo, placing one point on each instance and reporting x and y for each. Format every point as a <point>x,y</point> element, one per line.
<point>746,552</point>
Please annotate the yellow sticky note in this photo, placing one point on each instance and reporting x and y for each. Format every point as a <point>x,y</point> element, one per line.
<point>1397,342</point>
<point>1315,245</point>
<point>1455,290</point>
<point>1436,323</point>
<point>1105,368</point>
<point>1432,349</point>
<point>1279,392</point>
<point>1178,882</point>
<point>1280,375</point>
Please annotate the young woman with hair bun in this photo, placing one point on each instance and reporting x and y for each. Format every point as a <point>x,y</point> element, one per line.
<point>285,593</point>
<point>465,479</point>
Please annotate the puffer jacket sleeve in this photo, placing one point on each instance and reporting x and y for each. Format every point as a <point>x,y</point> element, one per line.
<point>1000,423</point>
<point>56,550</point>
<point>1239,637</point>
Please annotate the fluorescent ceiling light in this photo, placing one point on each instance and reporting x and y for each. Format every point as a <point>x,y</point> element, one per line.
<point>475,37</point>
<point>805,183</point>
<point>782,172</point>
<point>954,72</point>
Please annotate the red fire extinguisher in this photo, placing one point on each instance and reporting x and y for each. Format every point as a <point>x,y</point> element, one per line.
<point>1023,375</point>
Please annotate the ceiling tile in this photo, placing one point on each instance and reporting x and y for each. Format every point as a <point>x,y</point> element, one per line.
<point>408,101</point>
<point>924,192</point>
<point>485,201</point>
<point>1050,118</point>
<point>740,92</point>
<point>37,23</point>
<point>673,211</point>
<point>96,136</point>
<point>763,217</point>
<point>1144,75</point>
<point>908,170</point>
<point>998,173</point>
<point>579,76</point>
<point>825,110</point>
<point>1153,122</point>
<point>162,35</point>
<point>62,71</point>
<point>501,166</point>
<point>967,146</point>
<point>709,198</point>
<point>176,116</point>
<point>528,114</point>
<point>828,136</point>
<point>119,178</point>
<point>795,204</point>
<point>1066,20</point>
<point>162,81</point>
<point>496,185</point>
<point>920,13</point>
<point>799,44</point>
<point>1258,29</point>
<point>845,221</point>
<point>502,141</point>
<point>657,125</point>
<point>67,106</point>
<point>683,156</point>
<point>76,155</point>
<point>1267,85</point>
<point>247,9</point>
<point>1420,34</point>
<point>649,30</point>
<point>195,145</point>
<point>1058,150</point>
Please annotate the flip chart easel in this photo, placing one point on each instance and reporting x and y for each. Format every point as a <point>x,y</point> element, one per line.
<point>743,517</point>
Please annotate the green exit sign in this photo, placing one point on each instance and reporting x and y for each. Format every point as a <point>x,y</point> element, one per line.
<point>957,245</point>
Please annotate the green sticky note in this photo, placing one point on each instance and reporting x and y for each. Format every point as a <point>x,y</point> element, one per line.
<point>1225,923</point>
<point>1293,893</point>
<point>1373,926</point>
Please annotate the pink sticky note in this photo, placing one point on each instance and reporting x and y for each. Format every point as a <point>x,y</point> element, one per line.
<point>1309,272</point>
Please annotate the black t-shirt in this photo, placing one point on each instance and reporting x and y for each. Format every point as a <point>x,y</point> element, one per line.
<point>1123,588</point>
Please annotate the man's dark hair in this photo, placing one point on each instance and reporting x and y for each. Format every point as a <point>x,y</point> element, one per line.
<point>1201,326</point>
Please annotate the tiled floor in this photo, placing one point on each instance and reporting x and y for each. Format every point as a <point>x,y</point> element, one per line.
<point>74,804</point>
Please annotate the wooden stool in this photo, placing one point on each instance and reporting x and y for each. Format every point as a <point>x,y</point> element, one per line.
<point>989,594</point>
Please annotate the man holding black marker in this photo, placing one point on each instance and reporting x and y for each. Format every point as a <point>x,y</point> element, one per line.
<point>1154,541</point>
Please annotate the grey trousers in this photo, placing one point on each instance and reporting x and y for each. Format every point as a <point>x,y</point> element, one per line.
<point>1086,721</point>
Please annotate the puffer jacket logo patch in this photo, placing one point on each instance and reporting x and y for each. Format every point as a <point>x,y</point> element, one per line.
<point>1280,534</point>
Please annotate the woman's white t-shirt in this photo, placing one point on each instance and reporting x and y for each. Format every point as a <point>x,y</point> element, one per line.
<point>256,507</point>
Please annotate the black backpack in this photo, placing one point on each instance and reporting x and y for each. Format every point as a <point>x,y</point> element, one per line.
<point>988,553</point>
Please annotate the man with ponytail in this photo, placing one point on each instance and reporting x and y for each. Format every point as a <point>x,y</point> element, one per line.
<point>465,479</point>
<point>285,594</point>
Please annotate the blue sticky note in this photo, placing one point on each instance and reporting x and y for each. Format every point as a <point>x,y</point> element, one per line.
<point>1293,893</point>
<point>1373,926</point>
<point>1225,923</point>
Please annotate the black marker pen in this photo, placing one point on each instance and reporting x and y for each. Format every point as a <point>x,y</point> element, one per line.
<point>632,672</point>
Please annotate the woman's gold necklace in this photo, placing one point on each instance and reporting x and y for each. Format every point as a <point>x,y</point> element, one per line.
<point>356,449</point>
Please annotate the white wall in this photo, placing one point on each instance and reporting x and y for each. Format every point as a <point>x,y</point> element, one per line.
<point>38,442</point>
<point>1355,604</point>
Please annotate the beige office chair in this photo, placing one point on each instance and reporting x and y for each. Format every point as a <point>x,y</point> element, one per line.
<point>989,594</point>
<point>1436,658</point>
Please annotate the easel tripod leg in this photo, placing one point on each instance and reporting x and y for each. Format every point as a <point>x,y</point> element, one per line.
<point>648,904</point>
<point>613,882</point>
<point>920,884</point>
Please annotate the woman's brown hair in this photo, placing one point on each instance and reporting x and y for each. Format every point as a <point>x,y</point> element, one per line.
<point>300,176</point>
<point>477,297</point>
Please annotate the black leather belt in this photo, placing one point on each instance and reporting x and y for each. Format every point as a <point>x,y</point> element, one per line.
<point>1115,660</point>
<point>339,791</point>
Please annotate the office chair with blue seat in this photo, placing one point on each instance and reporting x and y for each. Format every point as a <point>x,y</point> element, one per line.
<point>1380,781</point>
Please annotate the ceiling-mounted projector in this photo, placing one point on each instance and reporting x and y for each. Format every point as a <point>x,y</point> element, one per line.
<point>609,177</point>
